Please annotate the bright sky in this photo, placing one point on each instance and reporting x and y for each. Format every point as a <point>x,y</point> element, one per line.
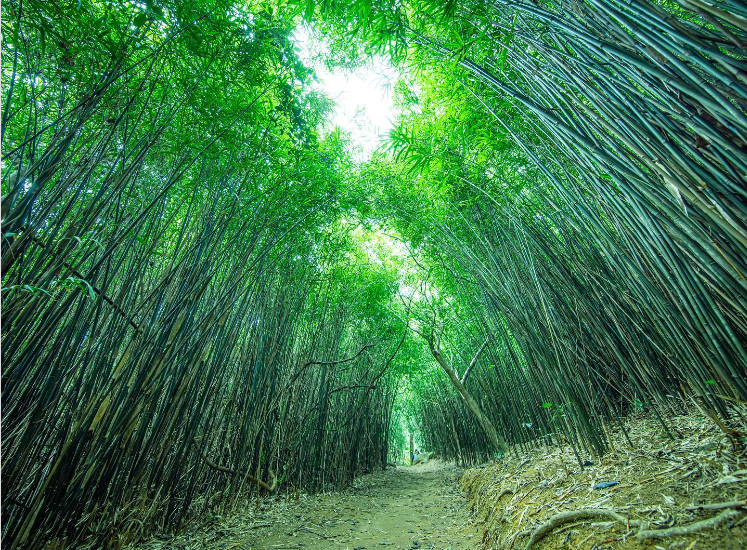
<point>363,96</point>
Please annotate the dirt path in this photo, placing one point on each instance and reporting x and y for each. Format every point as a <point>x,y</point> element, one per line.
<point>420,507</point>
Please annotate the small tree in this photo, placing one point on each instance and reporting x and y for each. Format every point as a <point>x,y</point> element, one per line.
<point>498,443</point>
<point>433,337</point>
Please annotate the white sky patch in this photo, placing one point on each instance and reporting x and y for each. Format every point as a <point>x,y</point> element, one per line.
<point>363,95</point>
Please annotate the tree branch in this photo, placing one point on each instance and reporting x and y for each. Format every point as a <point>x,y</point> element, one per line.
<point>364,348</point>
<point>96,289</point>
<point>353,387</point>
<point>299,372</point>
<point>474,361</point>
<point>270,488</point>
<point>436,351</point>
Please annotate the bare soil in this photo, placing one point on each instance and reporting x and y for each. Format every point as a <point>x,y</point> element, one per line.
<point>418,507</point>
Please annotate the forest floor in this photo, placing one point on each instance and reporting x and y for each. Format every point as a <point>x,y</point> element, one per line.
<point>417,507</point>
<point>661,487</point>
<point>538,498</point>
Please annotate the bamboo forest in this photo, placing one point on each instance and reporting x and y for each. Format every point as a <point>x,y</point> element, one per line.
<point>346,274</point>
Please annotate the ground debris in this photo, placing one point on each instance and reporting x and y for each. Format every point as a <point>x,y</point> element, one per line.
<point>670,491</point>
<point>404,508</point>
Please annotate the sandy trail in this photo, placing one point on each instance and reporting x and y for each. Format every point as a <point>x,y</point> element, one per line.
<point>419,507</point>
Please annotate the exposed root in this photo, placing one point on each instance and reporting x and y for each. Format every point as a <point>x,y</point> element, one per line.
<point>694,527</point>
<point>720,505</point>
<point>592,513</point>
<point>576,515</point>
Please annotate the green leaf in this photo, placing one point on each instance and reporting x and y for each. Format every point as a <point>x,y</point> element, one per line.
<point>309,12</point>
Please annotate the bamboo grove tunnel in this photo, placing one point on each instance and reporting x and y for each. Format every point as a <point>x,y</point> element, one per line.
<point>207,295</point>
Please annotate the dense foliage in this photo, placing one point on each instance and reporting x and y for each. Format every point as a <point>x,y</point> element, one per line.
<point>575,177</point>
<point>176,280</point>
<point>205,298</point>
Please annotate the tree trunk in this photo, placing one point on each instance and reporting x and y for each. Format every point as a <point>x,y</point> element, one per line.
<point>460,458</point>
<point>498,443</point>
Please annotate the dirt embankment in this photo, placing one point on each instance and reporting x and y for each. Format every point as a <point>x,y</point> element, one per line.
<point>646,496</point>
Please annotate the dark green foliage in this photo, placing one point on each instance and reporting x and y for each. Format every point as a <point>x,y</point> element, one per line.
<point>171,295</point>
<point>575,177</point>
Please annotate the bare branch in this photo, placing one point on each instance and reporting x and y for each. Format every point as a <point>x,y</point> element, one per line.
<point>364,348</point>
<point>474,361</point>
<point>270,488</point>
